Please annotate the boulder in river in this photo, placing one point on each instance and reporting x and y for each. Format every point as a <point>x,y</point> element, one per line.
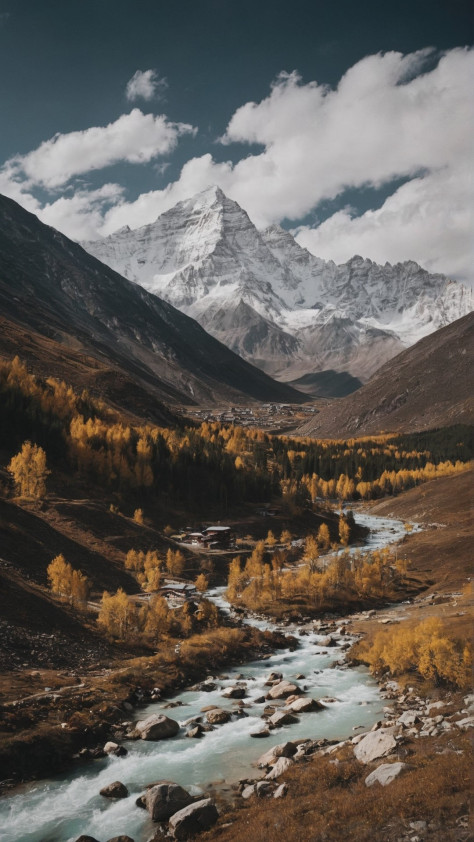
<point>121,839</point>
<point>282,689</point>
<point>157,727</point>
<point>282,717</point>
<point>375,744</point>
<point>327,642</point>
<point>218,716</point>
<point>85,838</point>
<point>164,799</point>
<point>193,819</point>
<point>235,692</point>
<point>274,676</point>
<point>195,732</point>
<point>304,705</point>
<point>114,748</point>
<point>115,790</point>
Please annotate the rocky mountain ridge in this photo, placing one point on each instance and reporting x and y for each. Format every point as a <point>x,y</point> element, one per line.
<point>271,300</point>
<point>51,288</point>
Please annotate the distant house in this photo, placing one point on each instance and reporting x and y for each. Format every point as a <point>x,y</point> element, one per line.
<point>220,535</point>
<point>181,591</point>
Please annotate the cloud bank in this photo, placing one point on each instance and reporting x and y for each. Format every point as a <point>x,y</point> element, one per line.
<point>391,116</point>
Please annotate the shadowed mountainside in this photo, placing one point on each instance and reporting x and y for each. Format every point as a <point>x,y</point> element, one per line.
<point>51,286</point>
<point>428,385</point>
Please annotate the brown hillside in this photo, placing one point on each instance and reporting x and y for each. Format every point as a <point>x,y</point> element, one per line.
<point>428,385</point>
<point>441,554</point>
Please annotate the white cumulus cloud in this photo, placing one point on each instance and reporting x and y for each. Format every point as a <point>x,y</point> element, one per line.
<point>145,84</point>
<point>391,117</point>
<point>136,137</point>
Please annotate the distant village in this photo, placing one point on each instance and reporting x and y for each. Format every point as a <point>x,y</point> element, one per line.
<point>268,416</point>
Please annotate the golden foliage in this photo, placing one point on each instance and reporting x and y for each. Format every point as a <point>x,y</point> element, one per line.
<point>423,648</point>
<point>67,582</point>
<point>29,471</point>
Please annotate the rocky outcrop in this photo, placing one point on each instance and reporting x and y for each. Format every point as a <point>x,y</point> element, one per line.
<point>193,819</point>
<point>156,727</point>
<point>164,799</point>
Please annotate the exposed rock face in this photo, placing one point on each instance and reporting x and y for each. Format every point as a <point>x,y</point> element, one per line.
<point>386,773</point>
<point>115,790</point>
<point>194,819</point>
<point>165,799</point>
<point>374,745</point>
<point>157,727</point>
<point>272,301</point>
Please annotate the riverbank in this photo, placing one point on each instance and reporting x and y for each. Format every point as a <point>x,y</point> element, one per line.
<point>52,730</point>
<point>333,794</point>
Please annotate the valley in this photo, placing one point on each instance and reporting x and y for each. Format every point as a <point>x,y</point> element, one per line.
<point>188,543</point>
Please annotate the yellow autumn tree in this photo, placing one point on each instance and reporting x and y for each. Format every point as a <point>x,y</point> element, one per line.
<point>311,552</point>
<point>66,582</point>
<point>59,575</point>
<point>344,531</point>
<point>30,471</point>
<point>174,562</point>
<point>286,537</point>
<point>324,540</point>
<point>117,614</point>
<point>202,583</point>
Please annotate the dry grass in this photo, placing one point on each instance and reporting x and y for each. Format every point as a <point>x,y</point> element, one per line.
<point>329,802</point>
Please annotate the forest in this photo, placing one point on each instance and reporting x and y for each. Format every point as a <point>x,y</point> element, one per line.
<point>210,466</point>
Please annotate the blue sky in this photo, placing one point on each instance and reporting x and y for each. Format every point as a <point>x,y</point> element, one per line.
<point>348,122</point>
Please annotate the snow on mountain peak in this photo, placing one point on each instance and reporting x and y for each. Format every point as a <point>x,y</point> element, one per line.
<point>205,256</point>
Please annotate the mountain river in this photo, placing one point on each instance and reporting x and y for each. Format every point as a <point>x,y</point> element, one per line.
<point>68,805</point>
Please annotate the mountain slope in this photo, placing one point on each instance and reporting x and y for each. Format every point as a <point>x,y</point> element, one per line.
<point>51,285</point>
<point>428,385</point>
<point>303,314</point>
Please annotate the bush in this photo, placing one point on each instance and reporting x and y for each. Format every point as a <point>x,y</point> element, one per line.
<point>425,649</point>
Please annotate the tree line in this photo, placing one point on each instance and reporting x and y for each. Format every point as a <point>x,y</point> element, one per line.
<point>207,465</point>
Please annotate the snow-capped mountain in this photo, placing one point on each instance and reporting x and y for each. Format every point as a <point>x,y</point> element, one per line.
<point>271,300</point>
